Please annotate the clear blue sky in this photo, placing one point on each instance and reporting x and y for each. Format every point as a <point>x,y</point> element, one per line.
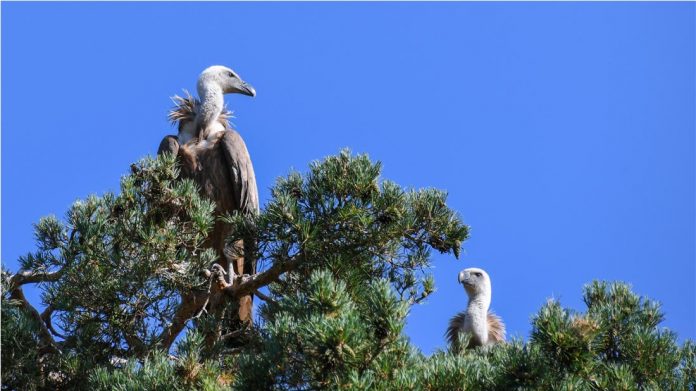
<point>564,132</point>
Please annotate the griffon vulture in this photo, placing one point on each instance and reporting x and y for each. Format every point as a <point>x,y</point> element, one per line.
<point>215,157</point>
<point>482,325</point>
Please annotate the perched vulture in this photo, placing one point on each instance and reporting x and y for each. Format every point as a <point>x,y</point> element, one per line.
<point>214,155</point>
<point>483,326</point>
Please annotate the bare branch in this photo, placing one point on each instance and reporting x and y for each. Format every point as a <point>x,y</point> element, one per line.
<point>44,334</point>
<point>46,316</point>
<point>32,277</point>
<point>135,343</point>
<point>249,284</point>
<point>264,297</point>
<point>191,304</point>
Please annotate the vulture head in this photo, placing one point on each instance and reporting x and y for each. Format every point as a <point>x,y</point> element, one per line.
<point>207,116</point>
<point>225,79</point>
<point>476,282</point>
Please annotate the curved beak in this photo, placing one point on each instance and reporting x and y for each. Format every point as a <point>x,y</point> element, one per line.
<point>245,89</point>
<point>462,277</point>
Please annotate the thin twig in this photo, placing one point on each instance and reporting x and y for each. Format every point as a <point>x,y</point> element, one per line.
<point>264,297</point>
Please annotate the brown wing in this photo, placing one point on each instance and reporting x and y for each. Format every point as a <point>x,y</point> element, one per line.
<point>169,144</point>
<point>243,181</point>
<point>496,328</point>
<point>456,324</point>
<point>496,331</point>
<point>242,178</point>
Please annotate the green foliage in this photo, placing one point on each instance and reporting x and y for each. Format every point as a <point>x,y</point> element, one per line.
<point>568,351</point>
<point>160,372</point>
<point>338,217</point>
<point>322,338</point>
<point>365,247</point>
<point>351,253</point>
<point>123,261</point>
<point>128,257</point>
<point>20,366</point>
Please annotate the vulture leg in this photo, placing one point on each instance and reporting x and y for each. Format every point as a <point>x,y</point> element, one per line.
<point>245,302</point>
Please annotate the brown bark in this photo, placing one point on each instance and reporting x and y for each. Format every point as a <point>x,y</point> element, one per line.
<point>191,304</point>
<point>44,334</point>
<point>241,287</point>
<point>248,284</point>
<point>30,277</point>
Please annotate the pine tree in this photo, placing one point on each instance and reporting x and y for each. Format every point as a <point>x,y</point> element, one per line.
<point>126,281</point>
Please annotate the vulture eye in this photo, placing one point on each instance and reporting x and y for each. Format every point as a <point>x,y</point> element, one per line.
<point>477,274</point>
<point>230,74</point>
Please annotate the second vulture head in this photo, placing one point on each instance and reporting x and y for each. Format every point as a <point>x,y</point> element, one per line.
<point>224,78</point>
<point>475,281</point>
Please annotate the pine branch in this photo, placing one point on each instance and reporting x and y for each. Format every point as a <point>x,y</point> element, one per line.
<point>191,304</point>
<point>264,297</point>
<point>194,303</point>
<point>32,277</point>
<point>46,316</point>
<point>246,284</point>
<point>135,343</point>
<point>43,332</point>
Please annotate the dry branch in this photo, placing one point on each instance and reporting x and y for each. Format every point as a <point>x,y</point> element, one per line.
<point>32,277</point>
<point>44,334</point>
<point>245,285</point>
<point>191,304</point>
<point>264,297</point>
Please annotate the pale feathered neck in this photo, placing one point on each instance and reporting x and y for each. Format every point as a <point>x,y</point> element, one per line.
<point>480,302</point>
<point>185,112</point>
<point>483,326</point>
<point>211,106</point>
<point>477,312</point>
